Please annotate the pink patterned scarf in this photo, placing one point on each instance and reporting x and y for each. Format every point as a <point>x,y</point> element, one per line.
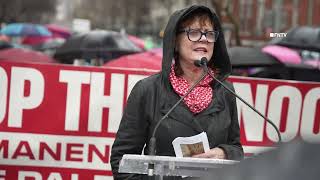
<point>199,98</point>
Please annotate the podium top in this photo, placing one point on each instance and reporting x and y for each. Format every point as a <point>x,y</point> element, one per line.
<point>171,166</point>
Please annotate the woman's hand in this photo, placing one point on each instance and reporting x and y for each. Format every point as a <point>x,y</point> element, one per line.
<point>215,153</point>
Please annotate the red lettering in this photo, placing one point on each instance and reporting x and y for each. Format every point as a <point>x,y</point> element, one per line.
<point>4,147</point>
<point>45,148</point>
<point>316,127</point>
<point>94,149</point>
<point>27,84</point>
<point>71,151</point>
<point>284,114</point>
<point>19,150</point>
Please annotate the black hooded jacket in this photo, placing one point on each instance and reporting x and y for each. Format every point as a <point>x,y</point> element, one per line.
<point>152,97</point>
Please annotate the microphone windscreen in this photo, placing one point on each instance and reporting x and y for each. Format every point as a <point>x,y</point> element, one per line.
<point>204,61</point>
<point>197,63</point>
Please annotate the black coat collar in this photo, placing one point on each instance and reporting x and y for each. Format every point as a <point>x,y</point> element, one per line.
<point>182,114</point>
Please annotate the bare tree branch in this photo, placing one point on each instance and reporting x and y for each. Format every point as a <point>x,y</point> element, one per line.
<point>234,22</point>
<point>26,11</point>
<point>220,8</point>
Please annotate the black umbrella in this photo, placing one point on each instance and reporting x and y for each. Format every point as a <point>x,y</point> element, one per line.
<point>253,62</point>
<point>97,44</point>
<point>250,57</point>
<point>5,44</point>
<point>304,37</point>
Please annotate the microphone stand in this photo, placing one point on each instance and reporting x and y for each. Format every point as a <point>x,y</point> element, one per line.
<point>152,141</point>
<point>203,63</point>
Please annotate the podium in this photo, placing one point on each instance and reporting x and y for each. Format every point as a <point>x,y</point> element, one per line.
<point>171,166</point>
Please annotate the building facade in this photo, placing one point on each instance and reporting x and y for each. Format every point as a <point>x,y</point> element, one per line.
<point>258,18</point>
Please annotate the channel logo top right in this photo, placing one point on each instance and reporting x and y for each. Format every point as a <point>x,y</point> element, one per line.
<point>272,34</point>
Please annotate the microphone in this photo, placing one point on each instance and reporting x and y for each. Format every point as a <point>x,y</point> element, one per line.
<point>198,63</point>
<point>152,141</point>
<point>204,64</point>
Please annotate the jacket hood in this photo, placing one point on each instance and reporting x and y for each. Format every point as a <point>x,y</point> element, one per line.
<point>220,58</point>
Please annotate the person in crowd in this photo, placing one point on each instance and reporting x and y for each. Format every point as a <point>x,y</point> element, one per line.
<point>191,34</point>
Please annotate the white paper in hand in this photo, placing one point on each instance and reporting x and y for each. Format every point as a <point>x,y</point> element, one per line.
<point>189,146</point>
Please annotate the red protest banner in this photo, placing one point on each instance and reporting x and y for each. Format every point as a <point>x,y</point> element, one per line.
<point>59,122</point>
<point>60,119</point>
<point>293,106</point>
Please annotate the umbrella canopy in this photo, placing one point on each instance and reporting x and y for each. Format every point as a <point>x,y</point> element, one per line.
<point>24,55</point>
<point>303,37</point>
<point>34,40</point>
<point>255,63</point>
<point>4,38</point>
<point>25,29</point>
<point>289,57</point>
<point>95,44</point>
<point>311,58</point>
<point>59,31</point>
<point>5,44</point>
<point>253,57</point>
<point>283,54</point>
<point>137,41</point>
<point>145,60</point>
